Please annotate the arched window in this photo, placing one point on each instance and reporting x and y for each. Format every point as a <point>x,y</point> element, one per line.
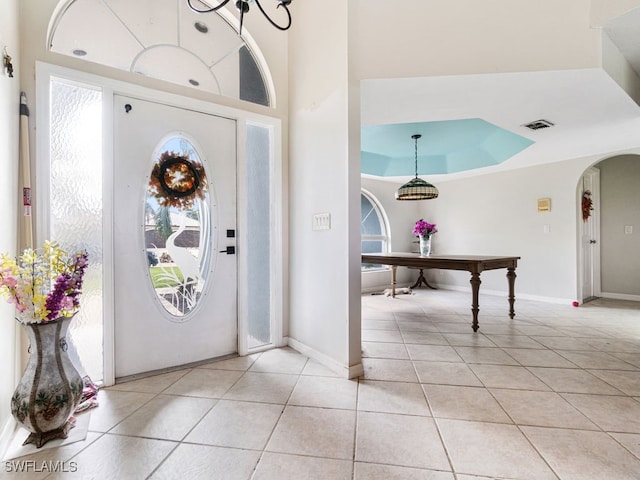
<point>165,39</point>
<point>374,228</point>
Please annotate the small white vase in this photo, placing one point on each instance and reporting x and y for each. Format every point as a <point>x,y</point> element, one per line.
<point>425,245</point>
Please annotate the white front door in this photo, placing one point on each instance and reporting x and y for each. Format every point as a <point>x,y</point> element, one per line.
<point>175,270</point>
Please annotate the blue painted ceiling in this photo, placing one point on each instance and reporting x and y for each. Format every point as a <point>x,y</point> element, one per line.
<point>445,147</point>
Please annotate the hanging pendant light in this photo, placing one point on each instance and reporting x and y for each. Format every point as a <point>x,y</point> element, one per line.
<point>416,188</point>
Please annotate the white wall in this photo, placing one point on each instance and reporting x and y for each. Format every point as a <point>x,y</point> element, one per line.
<point>619,68</point>
<point>319,171</point>
<point>620,206</point>
<point>602,11</point>
<point>496,214</point>
<point>432,37</point>
<point>9,161</point>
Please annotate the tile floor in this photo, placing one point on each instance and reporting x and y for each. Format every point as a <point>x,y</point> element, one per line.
<point>554,393</point>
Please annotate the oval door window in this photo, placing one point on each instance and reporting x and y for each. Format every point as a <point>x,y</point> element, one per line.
<point>177,224</point>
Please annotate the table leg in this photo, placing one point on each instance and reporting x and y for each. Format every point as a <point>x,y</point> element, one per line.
<point>422,279</point>
<point>475,288</point>
<point>511,277</point>
<point>393,281</point>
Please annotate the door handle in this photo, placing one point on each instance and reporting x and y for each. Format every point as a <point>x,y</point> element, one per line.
<point>230,250</point>
<point>592,241</point>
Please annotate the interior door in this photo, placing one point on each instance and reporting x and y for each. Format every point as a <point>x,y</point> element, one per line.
<point>590,237</point>
<point>175,270</point>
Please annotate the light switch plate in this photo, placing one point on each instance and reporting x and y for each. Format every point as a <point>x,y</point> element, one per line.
<point>628,229</point>
<point>321,221</point>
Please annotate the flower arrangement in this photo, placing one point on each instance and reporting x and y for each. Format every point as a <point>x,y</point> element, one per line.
<point>424,229</point>
<point>43,284</point>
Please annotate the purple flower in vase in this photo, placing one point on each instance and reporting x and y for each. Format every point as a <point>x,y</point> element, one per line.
<point>424,229</point>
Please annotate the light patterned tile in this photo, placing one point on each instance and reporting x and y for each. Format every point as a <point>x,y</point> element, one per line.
<point>514,341</point>
<point>625,381</point>
<point>530,357</point>
<point>202,462</point>
<point>384,350</point>
<point>241,364</point>
<point>493,450</point>
<point>152,384</point>
<point>433,353</point>
<point>263,387</point>
<point>611,413</point>
<point>505,376</point>
<point>317,432</point>
<point>166,417</point>
<point>237,424</point>
<point>544,409</point>
<point>372,471</point>
<point>488,355</point>
<point>424,338</point>
<point>392,397</point>
<point>18,468</point>
<point>573,380</point>
<point>325,392</point>
<point>316,369</point>
<point>279,360</point>
<point>389,336</point>
<point>598,455</point>
<point>631,441</point>
<point>468,340</point>
<point>446,373</point>
<point>202,382</point>
<point>400,440</point>
<point>597,360</point>
<point>280,466</point>
<point>388,369</point>
<point>136,458</point>
<point>464,403</point>
<point>114,407</point>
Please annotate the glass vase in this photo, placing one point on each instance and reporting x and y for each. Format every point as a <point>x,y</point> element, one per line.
<point>425,245</point>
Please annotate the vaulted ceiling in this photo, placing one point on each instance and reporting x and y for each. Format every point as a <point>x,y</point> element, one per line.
<point>471,124</point>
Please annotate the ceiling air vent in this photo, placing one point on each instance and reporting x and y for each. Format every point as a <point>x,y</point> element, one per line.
<point>538,124</point>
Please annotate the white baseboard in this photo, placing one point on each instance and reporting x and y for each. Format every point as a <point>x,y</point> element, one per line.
<point>7,435</point>
<point>342,370</point>
<point>620,296</point>
<point>499,293</point>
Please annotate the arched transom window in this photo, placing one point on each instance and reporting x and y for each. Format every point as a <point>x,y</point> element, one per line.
<point>164,39</point>
<point>374,230</point>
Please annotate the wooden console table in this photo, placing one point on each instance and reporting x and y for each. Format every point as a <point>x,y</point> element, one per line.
<point>471,263</point>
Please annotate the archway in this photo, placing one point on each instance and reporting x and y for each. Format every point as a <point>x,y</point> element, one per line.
<point>609,218</point>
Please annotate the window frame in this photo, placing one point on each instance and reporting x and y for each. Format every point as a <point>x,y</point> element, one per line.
<point>385,237</point>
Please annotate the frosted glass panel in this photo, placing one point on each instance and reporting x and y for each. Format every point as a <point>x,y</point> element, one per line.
<point>177,227</point>
<point>76,206</point>
<point>258,236</point>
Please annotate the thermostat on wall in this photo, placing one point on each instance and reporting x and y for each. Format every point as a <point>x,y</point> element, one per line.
<point>544,204</point>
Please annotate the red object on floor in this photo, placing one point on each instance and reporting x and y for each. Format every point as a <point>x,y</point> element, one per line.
<point>575,304</point>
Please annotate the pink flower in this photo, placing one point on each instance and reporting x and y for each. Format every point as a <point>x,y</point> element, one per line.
<point>424,229</point>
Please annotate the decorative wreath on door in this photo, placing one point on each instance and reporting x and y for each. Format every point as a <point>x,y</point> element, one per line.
<point>587,205</point>
<point>177,181</point>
